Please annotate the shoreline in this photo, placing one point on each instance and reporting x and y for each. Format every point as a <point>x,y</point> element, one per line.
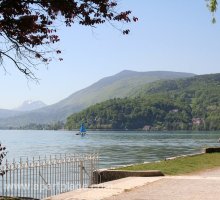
<point>112,130</point>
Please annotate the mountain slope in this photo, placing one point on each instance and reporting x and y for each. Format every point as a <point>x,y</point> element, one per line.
<point>4,113</point>
<point>30,105</point>
<point>191,103</point>
<point>121,85</point>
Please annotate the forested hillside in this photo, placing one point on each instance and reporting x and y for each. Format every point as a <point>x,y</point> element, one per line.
<point>184,104</point>
<point>117,86</point>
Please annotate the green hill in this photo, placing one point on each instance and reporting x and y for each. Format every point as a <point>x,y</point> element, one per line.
<point>183,104</point>
<point>120,85</point>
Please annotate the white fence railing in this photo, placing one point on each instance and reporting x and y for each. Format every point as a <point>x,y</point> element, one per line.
<point>43,177</point>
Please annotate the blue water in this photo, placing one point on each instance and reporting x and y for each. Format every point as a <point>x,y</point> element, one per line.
<point>115,148</point>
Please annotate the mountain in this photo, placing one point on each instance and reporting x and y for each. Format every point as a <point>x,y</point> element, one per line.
<point>4,113</point>
<point>30,105</point>
<point>120,85</point>
<point>182,104</point>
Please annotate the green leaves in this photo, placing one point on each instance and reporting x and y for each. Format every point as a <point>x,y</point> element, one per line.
<point>29,28</point>
<point>184,104</point>
<point>213,5</point>
<point>2,155</point>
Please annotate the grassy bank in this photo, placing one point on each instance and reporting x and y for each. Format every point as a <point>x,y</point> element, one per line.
<point>182,165</point>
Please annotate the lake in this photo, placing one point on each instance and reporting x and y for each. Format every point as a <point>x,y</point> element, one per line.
<point>115,148</point>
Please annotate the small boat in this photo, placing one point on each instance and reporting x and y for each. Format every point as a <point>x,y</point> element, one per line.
<point>82,130</point>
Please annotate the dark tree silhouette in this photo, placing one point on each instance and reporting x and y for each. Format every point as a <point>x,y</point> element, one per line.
<point>28,27</point>
<point>2,155</point>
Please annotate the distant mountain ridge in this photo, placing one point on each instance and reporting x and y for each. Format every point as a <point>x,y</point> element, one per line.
<point>30,105</point>
<point>4,113</point>
<point>120,85</point>
<point>20,110</point>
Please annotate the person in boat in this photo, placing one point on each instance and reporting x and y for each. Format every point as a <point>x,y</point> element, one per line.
<point>82,130</point>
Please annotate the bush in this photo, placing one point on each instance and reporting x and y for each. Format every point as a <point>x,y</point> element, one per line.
<point>2,155</point>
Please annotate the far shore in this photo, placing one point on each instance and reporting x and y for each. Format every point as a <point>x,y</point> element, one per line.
<point>111,130</point>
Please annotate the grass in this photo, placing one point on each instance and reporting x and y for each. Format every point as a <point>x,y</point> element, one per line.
<point>182,165</point>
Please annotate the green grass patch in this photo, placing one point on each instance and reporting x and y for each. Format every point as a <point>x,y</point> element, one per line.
<point>182,165</point>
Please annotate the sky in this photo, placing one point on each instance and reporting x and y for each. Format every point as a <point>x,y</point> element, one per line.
<point>172,35</point>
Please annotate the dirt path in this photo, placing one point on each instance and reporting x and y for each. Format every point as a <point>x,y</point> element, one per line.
<point>215,172</point>
<point>203,185</point>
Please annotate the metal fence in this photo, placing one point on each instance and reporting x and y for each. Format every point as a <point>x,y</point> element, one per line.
<point>43,177</point>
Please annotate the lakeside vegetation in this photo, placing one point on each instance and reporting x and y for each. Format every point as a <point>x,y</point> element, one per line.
<point>182,165</point>
<point>183,104</point>
<point>52,126</point>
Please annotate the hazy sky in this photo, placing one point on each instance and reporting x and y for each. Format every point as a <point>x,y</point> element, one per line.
<point>172,35</point>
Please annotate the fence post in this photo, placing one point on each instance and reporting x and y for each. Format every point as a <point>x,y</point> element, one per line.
<point>92,169</point>
<point>20,177</point>
<point>3,181</point>
<point>81,173</point>
<point>50,181</point>
<point>6,178</point>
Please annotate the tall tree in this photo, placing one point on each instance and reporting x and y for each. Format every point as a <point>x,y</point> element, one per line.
<point>28,27</point>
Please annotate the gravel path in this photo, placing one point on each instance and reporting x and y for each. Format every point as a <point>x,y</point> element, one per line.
<point>199,186</point>
<point>208,173</point>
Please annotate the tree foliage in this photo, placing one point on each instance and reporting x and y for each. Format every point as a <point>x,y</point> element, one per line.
<point>157,112</point>
<point>212,5</point>
<point>2,155</point>
<point>185,104</point>
<point>28,27</point>
<point>52,126</point>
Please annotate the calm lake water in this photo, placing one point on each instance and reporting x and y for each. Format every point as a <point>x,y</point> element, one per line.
<point>115,148</point>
